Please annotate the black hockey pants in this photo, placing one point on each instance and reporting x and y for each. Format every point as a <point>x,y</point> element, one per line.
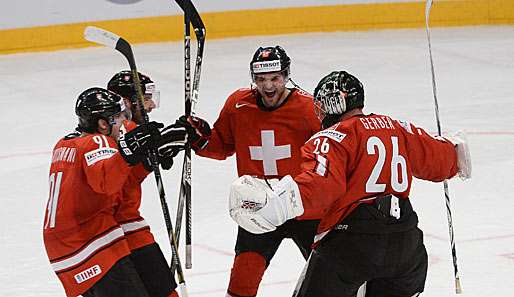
<point>122,280</point>
<point>370,247</point>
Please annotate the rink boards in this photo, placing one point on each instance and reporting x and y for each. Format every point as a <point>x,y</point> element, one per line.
<point>357,16</point>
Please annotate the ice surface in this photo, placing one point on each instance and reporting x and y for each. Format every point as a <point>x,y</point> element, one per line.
<point>475,74</point>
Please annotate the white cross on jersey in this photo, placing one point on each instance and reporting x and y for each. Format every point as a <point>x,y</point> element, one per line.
<point>269,153</point>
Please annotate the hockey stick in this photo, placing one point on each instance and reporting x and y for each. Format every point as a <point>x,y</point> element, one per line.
<point>185,182</point>
<point>458,288</point>
<point>112,40</point>
<point>191,16</point>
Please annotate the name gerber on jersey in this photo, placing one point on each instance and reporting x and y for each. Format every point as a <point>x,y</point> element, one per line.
<point>377,123</point>
<point>87,274</point>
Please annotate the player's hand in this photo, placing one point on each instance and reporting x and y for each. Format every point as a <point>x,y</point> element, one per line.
<point>198,130</point>
<point>172,140</point>
<point>134,145</point>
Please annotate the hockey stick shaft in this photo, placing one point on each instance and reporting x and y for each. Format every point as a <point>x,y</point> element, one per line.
<point>185,182</point>
<point>458,287</point>
<point>191,16</point>
<point>187,155</point>
<point>200,37</point>
<point>112,40</point>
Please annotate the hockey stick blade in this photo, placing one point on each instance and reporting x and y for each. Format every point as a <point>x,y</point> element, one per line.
<point>101,36</point>
<point>109,39</point>
<point>189,8</point>
<point>427,9</point>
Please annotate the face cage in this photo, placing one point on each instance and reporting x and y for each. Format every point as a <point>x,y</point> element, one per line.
<point>319,111</point>
<point>330,103</point>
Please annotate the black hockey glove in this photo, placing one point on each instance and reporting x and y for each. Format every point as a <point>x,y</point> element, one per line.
<point>198,131</point>
<point>134,145</point>
<point>172,140</point>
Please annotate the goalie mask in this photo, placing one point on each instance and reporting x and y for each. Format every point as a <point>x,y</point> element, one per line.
<point>338,93</point>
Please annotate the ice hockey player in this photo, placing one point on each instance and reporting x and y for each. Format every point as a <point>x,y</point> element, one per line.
<point>265,126</point>
<point>146,254</point>
<point>86,245</point>
<point>360,169</point>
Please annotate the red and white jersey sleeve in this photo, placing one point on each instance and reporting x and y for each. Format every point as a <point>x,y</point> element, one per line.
<point>81,236</point>
<point>364,157</point>
<point>266,142</point>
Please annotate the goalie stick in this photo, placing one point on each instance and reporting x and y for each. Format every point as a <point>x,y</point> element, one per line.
<point>114,41</point>
<point>191,16</point>
<point>458,288</point>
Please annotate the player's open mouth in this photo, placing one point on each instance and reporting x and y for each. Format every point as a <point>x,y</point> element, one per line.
<point>270,94</point>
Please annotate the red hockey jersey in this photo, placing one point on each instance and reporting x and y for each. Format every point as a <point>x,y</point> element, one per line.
<point>266,143</point>
<point>82,238</point>
<point>367,156</point>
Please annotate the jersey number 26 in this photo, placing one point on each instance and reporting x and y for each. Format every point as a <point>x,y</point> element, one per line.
<point>398,166</point>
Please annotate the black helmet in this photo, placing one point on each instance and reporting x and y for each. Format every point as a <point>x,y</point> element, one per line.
<point>338,93</point>
<point>123,84</point>
<point>94,104</point>
<point>270,59</point>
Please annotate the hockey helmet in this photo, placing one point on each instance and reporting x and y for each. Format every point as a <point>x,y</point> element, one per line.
<point>123,84</point>
<point>337,93</point>
<point>97,103</point>
<point>270,59</point>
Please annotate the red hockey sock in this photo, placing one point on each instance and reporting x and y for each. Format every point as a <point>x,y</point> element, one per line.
<point>173,294</point>
<point>246,275</point>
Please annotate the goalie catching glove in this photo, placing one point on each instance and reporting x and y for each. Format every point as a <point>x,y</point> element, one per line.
<point>258,208</point>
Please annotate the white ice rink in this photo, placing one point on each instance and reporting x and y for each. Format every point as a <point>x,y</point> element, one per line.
<point>475,79</point>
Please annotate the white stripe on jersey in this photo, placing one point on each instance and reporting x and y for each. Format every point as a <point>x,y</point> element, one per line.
<point>90,249</point>
<point>133,226</point>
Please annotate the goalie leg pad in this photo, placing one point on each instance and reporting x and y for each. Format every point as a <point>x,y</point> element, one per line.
<point>247,272</point>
